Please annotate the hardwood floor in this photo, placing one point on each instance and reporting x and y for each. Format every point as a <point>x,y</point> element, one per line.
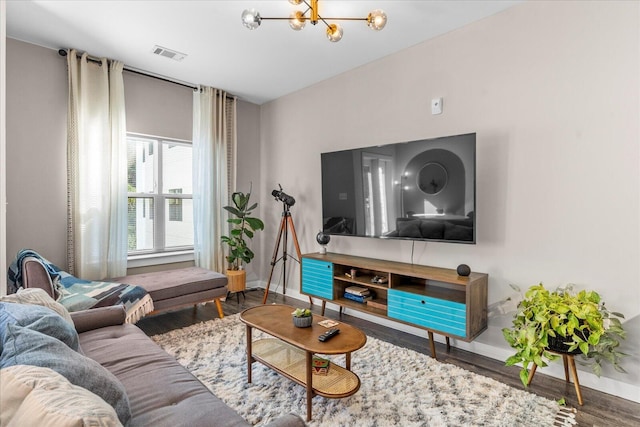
<point>600,409</point>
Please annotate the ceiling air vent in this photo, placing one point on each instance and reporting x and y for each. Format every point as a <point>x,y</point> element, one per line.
<point>168,53</point>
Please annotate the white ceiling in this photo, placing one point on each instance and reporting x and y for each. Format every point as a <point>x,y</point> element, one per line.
<point>258,65</point>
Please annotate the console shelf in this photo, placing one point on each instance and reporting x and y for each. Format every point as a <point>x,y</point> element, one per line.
<point>432,298</point>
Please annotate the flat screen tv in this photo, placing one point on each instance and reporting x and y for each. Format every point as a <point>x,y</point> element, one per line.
<point>417,190</point>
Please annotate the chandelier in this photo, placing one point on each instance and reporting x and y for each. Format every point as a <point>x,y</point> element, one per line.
<point>376,20</point>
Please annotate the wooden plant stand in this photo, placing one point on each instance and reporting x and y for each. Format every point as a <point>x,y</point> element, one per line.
<point>237,283</point>
<point>569,364</point>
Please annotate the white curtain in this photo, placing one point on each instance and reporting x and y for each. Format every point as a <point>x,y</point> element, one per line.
<point>96,169</point>
<point>214,147</point>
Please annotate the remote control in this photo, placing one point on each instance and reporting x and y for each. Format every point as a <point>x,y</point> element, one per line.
<point>329,334</point>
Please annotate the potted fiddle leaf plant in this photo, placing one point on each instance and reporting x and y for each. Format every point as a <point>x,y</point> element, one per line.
<point>242,228</point>
<point>564,321</point>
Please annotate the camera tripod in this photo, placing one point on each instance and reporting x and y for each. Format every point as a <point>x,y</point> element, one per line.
<point>285,224</point>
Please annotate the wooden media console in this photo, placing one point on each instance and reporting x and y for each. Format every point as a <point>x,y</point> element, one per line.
<point>432,298</point>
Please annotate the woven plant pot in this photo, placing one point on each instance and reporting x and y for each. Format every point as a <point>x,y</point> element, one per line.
<point>558,345</point>
<point>302,322</point>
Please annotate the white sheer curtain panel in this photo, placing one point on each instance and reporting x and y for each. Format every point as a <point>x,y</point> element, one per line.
<point>214,147</point>
<point>96,169</point>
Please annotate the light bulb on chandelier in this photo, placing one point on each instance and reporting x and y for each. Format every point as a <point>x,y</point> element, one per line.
<point>376,20</point>
<point>297,21</point>
<point>251,19</point>
<point>334,32</point>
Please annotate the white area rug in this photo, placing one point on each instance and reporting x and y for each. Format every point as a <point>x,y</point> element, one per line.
<point>400,387</point>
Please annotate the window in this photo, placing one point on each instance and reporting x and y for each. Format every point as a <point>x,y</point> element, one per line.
<point>160,212</point>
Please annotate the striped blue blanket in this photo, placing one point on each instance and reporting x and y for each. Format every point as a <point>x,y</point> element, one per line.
<point>78,294</point>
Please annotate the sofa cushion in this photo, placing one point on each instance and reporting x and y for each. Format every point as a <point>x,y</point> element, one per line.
<point>25,345</point>
<point>37,296</point>
<point>161,392</point>
<point>37,318</point>
<point>35,396</point>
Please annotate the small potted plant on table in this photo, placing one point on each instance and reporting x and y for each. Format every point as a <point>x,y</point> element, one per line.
<point>243,225</point>
<point>302,317</point>
<point>578,322</point>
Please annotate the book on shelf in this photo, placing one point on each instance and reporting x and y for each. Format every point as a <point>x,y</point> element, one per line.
<point>357,298</point>
<point>320,366</point>
<point>357,290</point>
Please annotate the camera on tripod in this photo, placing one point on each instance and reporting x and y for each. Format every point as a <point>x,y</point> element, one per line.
<point>283,197</point>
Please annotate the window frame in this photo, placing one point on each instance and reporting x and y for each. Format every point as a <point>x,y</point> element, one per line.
<point>160,200</point>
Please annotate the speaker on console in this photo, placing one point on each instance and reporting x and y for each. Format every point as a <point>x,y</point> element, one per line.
<point>463,270</point>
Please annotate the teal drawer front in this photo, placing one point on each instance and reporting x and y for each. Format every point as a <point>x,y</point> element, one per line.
<point>437,314</point>
<point>317,278</point>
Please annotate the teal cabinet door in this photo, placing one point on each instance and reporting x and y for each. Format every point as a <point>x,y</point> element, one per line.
<point>439,315</point>
<point>317,278</point>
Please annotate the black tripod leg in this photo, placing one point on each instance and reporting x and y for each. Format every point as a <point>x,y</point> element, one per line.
<point>284,253</point>
<point>273,259</point>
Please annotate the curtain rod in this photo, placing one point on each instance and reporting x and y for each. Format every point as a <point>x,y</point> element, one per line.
<point>164,79</point>
<point>63,52</point>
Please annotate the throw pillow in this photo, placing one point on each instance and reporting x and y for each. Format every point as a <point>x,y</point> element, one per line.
<point>30,396</point>
<point>37,318</point>
<point>37,296</point>
<point>24,346</point>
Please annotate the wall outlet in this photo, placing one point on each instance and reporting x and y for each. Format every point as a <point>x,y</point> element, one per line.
<point>436,106</point>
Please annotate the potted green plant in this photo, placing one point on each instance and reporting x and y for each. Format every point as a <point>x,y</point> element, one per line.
<point>243,228</point>
<point>302,317</point>
<point>579,321</point>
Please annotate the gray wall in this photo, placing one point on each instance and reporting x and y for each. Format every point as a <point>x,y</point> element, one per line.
<point>36,151</point>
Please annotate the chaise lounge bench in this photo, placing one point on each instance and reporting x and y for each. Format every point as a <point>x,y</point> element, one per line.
<point>168,289</point>
<point>180,287</point>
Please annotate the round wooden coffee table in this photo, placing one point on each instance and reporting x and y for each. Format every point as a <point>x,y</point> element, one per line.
<point>291,351</point>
